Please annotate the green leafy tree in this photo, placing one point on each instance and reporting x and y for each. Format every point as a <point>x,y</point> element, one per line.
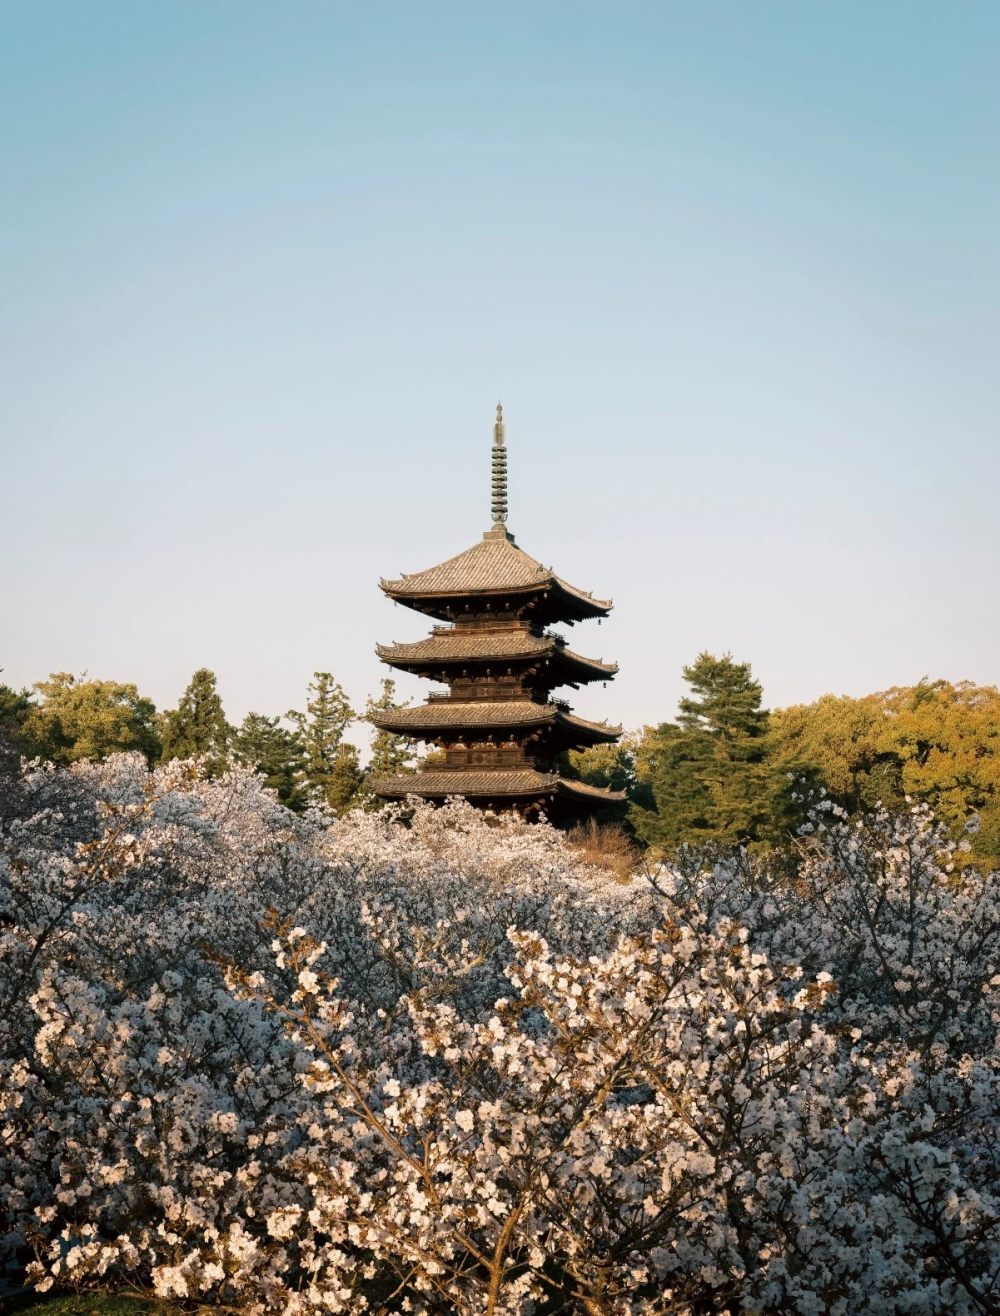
<point>391,754</point>
<point>841,742</point>
<point>331,769</point>
<point>946,738</point>
<point>79,719</point>
<point>198,726</point>
<point>275,751</point>
<point>936,742</point>
<point>709,774</point>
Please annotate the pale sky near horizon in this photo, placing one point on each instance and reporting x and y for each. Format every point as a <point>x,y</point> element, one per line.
<point>733,269</point>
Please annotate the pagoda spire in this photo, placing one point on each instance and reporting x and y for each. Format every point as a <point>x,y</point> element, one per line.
<point>499,503</point>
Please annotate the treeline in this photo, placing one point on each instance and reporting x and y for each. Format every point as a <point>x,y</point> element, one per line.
<point>727,770</point>
<point>304,756</point>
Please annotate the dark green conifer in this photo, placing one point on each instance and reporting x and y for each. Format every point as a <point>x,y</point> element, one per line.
<point>198,726</point>
<point>331,772</point>
<point>391,754</point>
<point>275,752</point>
<point>15,705</point>
<point>344,788</point>
<point>709,775</point>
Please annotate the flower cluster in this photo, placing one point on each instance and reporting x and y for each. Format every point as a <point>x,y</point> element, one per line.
<point>443,1065</point>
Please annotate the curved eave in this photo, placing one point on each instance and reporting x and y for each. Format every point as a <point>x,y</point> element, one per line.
<point>433,721</point>
<point>576,604</point>
<point>414,658</point>
<point>596,731</point>
<point>524,785</point>
<point>596,669</point>
<point>599,607</point>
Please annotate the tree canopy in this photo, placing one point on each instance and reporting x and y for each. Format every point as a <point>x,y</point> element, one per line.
<point>197,727</point>
<point>331,772</point>
<point>722,1092</point>
<point>935,743</point>
<point>87,719</point>
<point>707,770</point>
<point>390,754</point>
<point>725,771</point>
<point>275,751</point>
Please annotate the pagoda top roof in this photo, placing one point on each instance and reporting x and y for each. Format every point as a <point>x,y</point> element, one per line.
<point>458,715</point>
<point>462,646</point>
<point>491,785</point>
<point>494,566</point>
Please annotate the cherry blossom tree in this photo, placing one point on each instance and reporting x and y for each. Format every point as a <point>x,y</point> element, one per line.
<point>421,1060</point>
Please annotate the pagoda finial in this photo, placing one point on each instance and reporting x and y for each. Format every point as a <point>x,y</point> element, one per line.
<point>499,504</point>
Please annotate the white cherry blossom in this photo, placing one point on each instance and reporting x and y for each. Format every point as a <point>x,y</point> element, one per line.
<point>433,1062</point>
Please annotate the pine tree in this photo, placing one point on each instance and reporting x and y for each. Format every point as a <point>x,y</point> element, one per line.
<point>709,776</point>
<point>728,699</point>
<point>331,772</point>
<point>276,753</point>
<point>391,754</point>
<point>15,706</point>
<point>198,726</point>
<point>344,788</point>
<point>681,797</point>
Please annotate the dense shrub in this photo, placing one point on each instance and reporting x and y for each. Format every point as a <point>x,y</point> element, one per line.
<point>294,1065</point>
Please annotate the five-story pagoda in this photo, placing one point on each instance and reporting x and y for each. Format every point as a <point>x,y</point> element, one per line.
<point>499,733</point>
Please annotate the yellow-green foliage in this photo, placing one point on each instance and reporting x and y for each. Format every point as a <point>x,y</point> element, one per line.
<point>935,742</point>
<point>80,719</point>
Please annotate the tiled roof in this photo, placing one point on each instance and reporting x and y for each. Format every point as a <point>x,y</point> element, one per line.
<point>446,715</point>
<point>457,782</point>
<point>458,647</point>
<point>493,566</point>
<point>490,784</point>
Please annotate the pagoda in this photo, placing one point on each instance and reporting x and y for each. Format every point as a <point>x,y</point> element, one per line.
<point>499,734</point>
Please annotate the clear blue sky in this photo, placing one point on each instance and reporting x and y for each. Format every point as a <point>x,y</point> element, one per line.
<point>733,269</point>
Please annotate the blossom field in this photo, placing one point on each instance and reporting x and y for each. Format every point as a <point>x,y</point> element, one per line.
<point>295,1064</point>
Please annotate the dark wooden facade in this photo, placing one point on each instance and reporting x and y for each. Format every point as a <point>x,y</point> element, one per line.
<point>498,729</point>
